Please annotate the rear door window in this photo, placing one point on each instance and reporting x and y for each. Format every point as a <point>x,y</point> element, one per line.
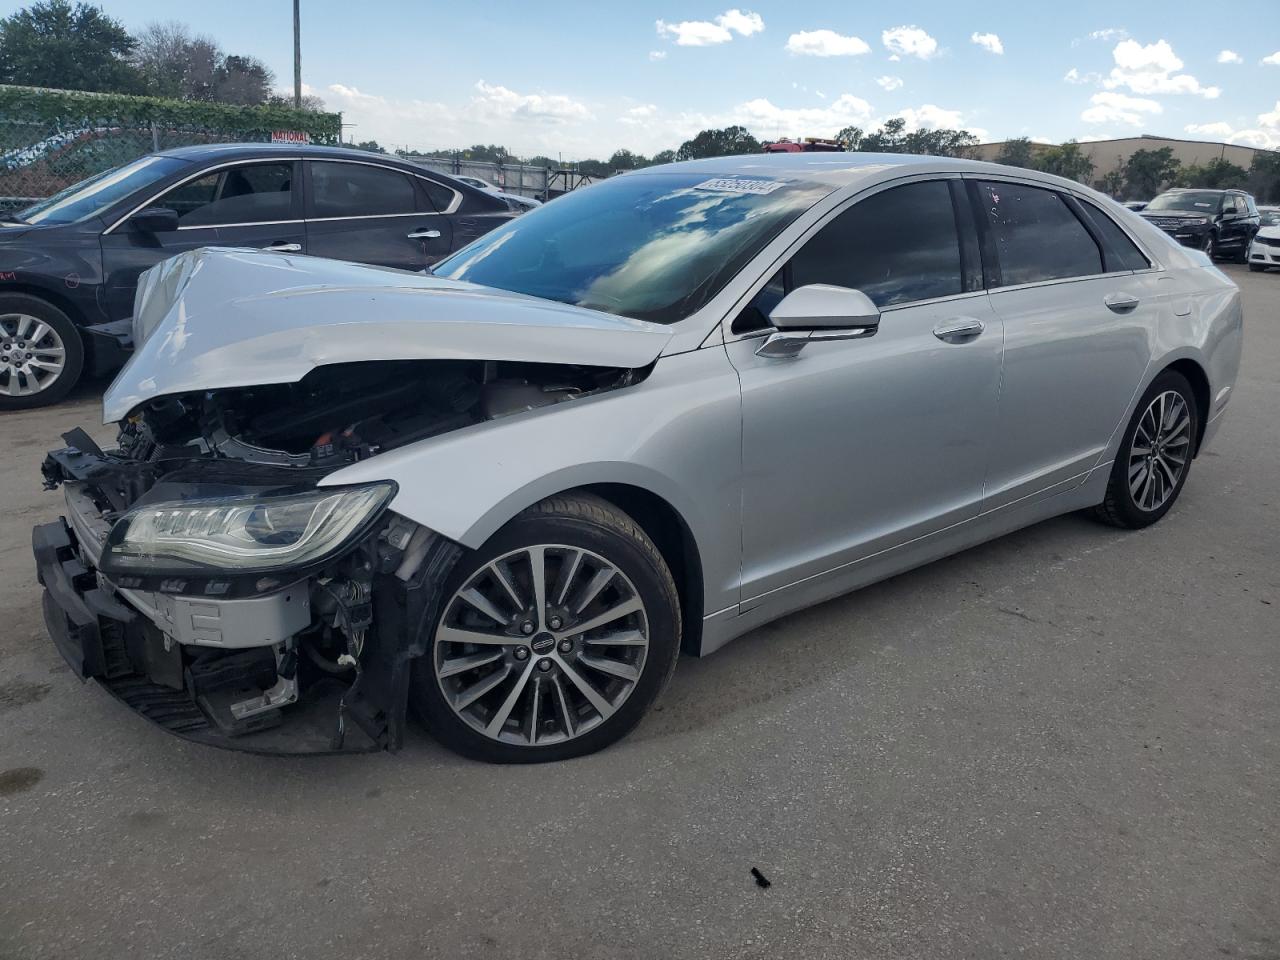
<point>1122,253</point>
<point>245,193</point>
<point>896,246</point>
<point>1036,235</point>
<point>360,190</point>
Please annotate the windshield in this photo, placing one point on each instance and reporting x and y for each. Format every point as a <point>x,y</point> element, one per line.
<point>647,246</point>
<point>1201,201</point>
<point>90,197</point>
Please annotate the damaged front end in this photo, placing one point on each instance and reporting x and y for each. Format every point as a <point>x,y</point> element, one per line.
<point>202,576</point>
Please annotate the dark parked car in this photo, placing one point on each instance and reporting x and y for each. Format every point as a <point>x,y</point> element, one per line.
<point>1219,222</point>
<point>70,263</point>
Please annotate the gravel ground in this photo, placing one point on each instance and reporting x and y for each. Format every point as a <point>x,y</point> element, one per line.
<point>1063,744</point>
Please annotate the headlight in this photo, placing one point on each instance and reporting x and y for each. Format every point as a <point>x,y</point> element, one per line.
<point>1195,221</point>
<point>240,535</point>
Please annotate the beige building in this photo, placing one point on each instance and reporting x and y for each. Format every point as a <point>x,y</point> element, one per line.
<point>1109,155</point>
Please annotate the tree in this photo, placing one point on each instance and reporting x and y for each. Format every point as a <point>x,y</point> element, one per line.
<point>663,156</point>
<point>624,159</point>
<point>370,145</point>
<point>1113,183</point>
<point>942,142</point>
<point>1264,176</point>
<point>888,139</point>
<point>1018,152</point>
<point>1217,174</point>
<point>1146,172</point>
<point>55,44</point>
<point>851,137</point>
<point>1066,161</point>
<point>243,80</point>
<point>718,143</point>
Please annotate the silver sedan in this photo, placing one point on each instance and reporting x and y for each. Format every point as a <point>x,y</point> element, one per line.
<point>640,421</point>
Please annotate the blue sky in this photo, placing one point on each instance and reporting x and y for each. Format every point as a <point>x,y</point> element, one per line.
<point>581,78</point>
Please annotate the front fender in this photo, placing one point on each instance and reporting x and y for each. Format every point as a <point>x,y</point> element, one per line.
<point>677,435</point>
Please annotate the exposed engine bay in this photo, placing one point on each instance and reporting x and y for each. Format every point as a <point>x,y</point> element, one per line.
<point>211,634</point>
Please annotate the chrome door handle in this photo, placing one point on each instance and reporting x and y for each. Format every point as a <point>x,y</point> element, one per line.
<point>959,330</point>
<point>1120,302</point>
<point>281,246</point>
<point>424,235</point>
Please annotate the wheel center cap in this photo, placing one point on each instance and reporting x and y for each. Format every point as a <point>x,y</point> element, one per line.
<point>542,644</point>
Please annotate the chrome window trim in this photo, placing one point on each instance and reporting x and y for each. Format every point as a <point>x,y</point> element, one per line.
<point>452,208</point>
<point>253,223</point>
<point>371,216</point>
<point>204,171</point>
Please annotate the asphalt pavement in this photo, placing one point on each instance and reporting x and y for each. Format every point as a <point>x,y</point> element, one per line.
<point>1065,743</point>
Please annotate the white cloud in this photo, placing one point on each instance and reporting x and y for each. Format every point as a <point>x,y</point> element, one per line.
<point>826,43</point>
<point>705,33</point>
<point>763,115</point>
<point>657,54</point>
<point>931,117</point>
<point>1265,135</point>
<point>1075,76</point>
<point>1118,108</point>
<point>988,41</point>
<point>889,83</point>
<point>1152,68</point>
<point>1110,33</point>
<point>1273,60</point>
<point>502,103</point>
<point>1219,131</point>
<point>1230,56</point>
<point>641,114</point>
<point>909,41</point>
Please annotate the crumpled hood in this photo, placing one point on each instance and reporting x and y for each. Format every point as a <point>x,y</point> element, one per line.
<point>216,318</point>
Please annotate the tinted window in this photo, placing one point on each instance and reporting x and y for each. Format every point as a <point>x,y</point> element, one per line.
<point>358,190</point>
<point>248,193</point>
<point>896,246</point>
<point>441,197</point>
<point>1036,235</point>
<point>651,246</point>
<point>1122,254</point>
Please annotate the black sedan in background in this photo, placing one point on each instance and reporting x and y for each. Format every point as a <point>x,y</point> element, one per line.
<point>1219,222</point>
<point>70,264</point>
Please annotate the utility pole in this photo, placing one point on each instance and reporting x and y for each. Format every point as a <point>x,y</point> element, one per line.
<point>297,56</point>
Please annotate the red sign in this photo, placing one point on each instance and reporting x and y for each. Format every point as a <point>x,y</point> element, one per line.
<point>290,136</point>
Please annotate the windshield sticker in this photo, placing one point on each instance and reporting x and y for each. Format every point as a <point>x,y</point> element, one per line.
<point>738,185</point>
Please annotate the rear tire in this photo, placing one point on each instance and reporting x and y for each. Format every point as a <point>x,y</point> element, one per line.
<point>481,686</point>
<point>41,353</point>
<point>1155,454</point>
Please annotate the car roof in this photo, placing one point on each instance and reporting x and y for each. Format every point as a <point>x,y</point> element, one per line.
<point>219,151</point>
<point>839,170</point>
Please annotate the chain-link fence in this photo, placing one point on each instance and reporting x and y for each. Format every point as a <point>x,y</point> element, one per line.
<point>51,139</point>
<point>37,160</point>
<point>516,178</point>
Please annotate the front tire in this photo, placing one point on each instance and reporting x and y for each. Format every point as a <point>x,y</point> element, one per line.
<point>556,638</point>
<point>1155,455</point>
<point>41,353</point>
<point>1256,267</point>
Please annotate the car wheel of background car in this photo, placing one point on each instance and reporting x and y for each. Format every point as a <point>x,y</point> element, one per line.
<point>41,353</point>
<point>1257,267</point>
<point>1155,455</point>
<point>556,638</point>
<point>1210,246</point>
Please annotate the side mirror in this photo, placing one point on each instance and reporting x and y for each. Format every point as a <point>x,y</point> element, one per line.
<point>819,311</point>
<point>155,220</point>
<point>821,306</point>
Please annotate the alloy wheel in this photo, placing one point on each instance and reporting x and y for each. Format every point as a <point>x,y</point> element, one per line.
<point>1159,452</point>
<point>32,355</point>
<point>541,645</point>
